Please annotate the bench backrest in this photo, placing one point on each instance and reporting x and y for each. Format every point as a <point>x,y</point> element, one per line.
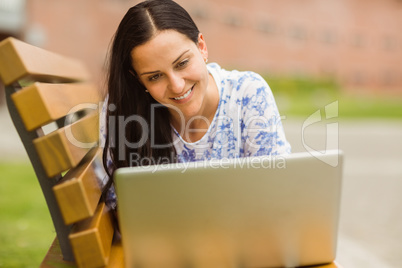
<point>55,111</point>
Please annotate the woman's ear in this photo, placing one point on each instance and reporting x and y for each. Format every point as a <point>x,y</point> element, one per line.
<point>202,46</point>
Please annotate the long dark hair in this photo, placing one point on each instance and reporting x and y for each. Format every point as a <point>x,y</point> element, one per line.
<point>127,99</point>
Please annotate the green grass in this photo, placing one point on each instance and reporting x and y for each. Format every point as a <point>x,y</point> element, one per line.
<point>304,96</point>
<point>26,230</point>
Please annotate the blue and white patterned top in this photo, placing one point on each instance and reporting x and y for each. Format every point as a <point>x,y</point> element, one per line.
<point>246,123</point>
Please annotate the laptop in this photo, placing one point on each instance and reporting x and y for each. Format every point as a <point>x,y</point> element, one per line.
<point>246,212</point>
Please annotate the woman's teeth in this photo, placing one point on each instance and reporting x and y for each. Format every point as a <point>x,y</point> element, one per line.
<point>185,95</point>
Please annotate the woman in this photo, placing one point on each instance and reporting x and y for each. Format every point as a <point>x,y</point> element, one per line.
<point>165,104</point>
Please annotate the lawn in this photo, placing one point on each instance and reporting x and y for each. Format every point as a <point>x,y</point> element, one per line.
<point>26,230</point>
<point>304,96</point>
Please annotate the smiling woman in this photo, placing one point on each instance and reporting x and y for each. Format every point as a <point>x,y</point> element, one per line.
<point>172,68</point>
<point>166,104</point>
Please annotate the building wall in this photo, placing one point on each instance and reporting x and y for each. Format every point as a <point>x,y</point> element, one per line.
<point>355,41</point>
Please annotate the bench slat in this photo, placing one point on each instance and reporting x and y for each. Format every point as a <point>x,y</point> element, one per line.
<point>64,148</point>
<point>55,258</point>
<point>116,258</point>
<point>91,239</point>
<point>20,60</point>
<point>78,193</point>
<point>40,104</point>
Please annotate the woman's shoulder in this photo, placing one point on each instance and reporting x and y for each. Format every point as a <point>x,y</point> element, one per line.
<point>235,79</point>
<point>234,73</point>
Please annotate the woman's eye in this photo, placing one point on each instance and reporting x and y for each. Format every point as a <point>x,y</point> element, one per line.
<point>182,63</point>
<point>154,77</point>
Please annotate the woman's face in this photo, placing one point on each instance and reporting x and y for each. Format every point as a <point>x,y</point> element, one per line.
<point>173,70</point>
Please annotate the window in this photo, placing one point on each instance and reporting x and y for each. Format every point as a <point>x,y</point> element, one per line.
<point>358,41</point>
<point>298,33</point>
<point>12,16</point>
<point>267,27</point>
<point>233,20</point>
<point>327,37</point>
<point>199,13</point>
<point>389,43</point>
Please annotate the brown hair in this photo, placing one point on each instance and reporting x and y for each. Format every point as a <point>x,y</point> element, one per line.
<point>127,99</point>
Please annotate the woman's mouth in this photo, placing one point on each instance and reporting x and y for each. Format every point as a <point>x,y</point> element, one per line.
<point>187,94</point>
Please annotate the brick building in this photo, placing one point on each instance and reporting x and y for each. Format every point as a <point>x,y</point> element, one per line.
<point>357,42</point>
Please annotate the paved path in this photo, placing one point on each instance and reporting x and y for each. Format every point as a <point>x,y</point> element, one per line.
<point>11,148</point>
<point>371,212</point>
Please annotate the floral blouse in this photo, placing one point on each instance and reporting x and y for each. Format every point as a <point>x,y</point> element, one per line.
<point>246,123</point>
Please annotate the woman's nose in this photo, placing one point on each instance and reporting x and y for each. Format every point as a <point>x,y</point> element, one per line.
<point>176,84</point>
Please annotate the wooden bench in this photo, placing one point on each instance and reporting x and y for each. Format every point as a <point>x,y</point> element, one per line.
<point>42,89</point>
<point>46,92</point>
